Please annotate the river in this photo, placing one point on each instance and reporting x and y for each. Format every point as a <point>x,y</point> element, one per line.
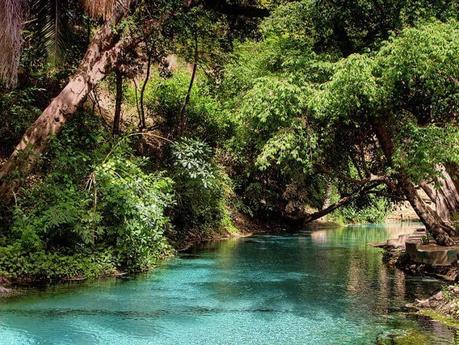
<point>315,287</point>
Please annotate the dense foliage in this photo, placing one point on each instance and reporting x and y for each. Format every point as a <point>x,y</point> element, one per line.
<point>277,109</point>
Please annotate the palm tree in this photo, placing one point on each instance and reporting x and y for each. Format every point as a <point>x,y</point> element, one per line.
<point>46,22</point>
<point>10,39</point>
<point>102,54</point>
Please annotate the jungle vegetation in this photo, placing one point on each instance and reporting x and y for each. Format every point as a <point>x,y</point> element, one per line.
<point>130,127</point>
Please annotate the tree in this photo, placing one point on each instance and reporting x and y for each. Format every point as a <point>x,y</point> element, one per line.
<point>101,56</point>
<point>107,46</point>
<point>389,112</point>
<point>10,39</point>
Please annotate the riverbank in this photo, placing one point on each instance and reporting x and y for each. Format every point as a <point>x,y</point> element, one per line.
<point>442,306</point>
<point>58,269</point>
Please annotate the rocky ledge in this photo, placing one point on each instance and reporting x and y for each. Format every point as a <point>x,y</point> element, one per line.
<point>415,254</point>
<point>443,306</point>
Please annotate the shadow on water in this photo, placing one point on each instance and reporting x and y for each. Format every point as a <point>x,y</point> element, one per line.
<point>316,287</point>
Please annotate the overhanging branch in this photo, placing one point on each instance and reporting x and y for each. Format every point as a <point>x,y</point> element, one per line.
<point>236,10</point>
<point>344,201</point>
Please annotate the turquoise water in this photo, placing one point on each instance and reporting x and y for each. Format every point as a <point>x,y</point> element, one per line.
<point>317,287</point>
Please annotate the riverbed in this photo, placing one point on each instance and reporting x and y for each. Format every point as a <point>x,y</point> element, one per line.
<point>315,287</point>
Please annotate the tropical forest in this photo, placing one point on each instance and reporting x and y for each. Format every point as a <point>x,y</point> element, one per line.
<point>225,172</point>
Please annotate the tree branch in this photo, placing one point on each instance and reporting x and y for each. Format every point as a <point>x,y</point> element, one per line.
<point>236,10</point>
<point>343,201</point>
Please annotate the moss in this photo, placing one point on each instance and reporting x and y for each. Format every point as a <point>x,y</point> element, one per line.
<point>406,338</point>
<point>440,317</point>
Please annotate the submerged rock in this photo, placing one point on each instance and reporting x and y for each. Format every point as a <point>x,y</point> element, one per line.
<point>442,306</point>
<point>5,291</point>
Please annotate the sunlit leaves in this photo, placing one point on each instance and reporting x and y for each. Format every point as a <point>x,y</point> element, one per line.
<point>272,103</point>
<point>419,72</point>
<point>351,92</point>
<point>193,160</point>
<point>291,148</point>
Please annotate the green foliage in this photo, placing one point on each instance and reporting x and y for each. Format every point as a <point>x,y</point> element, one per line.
<point>202,188</point>
<point>96,196</point>
<point>271,104</point>
<point>364,210</point>
<point>349,94</point>
<point>18,110</point>
<point>293,148</point>
<point>204,118</point>
<point>417,73</point>
<point>308,96</point>
<point>193,161</point>
<point>422,149</point>
<point>132,205</point>
<point>25,266</point>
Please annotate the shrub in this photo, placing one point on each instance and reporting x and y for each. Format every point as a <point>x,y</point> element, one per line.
<point>21,265</point>
<point>365,210</point>
<point>202,188</point>
<point>132,204</point>
<point>96,196</point>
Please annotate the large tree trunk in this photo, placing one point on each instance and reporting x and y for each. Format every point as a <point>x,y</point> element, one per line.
<point>444,194</point>
<point>447,196</point>
<point>99,60</point>
<point>440,231</point>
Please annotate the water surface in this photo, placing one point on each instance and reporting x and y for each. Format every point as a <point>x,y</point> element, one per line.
<point>316,287</point>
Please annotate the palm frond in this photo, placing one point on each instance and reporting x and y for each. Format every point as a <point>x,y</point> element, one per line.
<point>48,27</point>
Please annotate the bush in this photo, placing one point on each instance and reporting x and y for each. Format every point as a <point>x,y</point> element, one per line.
<point>96,197</point>
<point>366,210</point>
<point>132,205</point>
<point>21,265</point>
<point>202,188</point>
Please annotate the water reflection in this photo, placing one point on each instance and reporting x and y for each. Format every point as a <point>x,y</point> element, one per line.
<point>318,287</point>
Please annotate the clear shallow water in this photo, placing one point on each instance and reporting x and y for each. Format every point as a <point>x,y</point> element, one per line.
<point>319,287</point>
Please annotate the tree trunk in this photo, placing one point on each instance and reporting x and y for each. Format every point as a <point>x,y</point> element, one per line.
<point>118,102</point>
<point>330,208</point>
<point>441,231</point>
<point>444,195</point>
<point>142,121</point>
<point>182,118</point>
<point>327,199</point>
<point>447,196</point>
<point>99,60</point>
